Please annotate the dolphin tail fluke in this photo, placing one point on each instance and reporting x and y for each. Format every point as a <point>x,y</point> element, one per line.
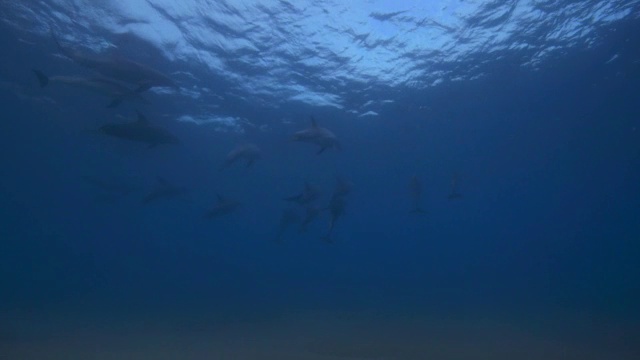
<point>43,79</point>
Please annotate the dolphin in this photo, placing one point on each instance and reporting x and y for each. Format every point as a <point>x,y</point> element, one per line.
<point>222,207</point>
<point>311,213</point>
<point>248,152</point>
<point>125,70</point>
<point>140,131</point>
<point>163,190</point>
<point>289,217</point>
<point>454,194</point>
<point>308,195</point>
<point>415,190</point>
<point>114,90</point>
<point>343,187</point>
<point>336,209</point>
<point>317,135</point>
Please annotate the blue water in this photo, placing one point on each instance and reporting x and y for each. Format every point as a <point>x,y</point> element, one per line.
<point>537,259</point>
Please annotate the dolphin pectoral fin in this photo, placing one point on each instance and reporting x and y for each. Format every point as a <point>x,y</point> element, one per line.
<point>322,149</point>
<point>250,162</point>
<point>43,79</point>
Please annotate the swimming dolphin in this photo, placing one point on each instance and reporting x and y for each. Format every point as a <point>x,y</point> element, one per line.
<point>311,213</point>
<point>163,190</point>
<point>109,88</point>
<point>317,135</point>
<point>125,70</point>
<point>336,209</point>
<point>343,187</point>
<point>289,217</point>
<point>415,190</point>
<point>308,195</point>
<point>222,207</point>
<point>248,152</point>
<point>140,131</point>
<point>454,194</point>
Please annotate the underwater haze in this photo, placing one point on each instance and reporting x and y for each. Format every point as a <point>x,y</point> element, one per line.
<point>320,179</point>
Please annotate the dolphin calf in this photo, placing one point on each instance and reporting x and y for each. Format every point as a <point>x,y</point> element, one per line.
<point>248,152</point>
<point>140,131</point>
<point>308,195</point>
<point>415,190</point>
<point>454,194</point>
<point>317,135</point>
<point>222,207</point>
<point>107,87</point>
<point>163,190</point>
<point>125,70</point>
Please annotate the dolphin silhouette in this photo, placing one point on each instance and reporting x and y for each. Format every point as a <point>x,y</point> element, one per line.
<point>308,195</point>
<point>140,131</point>
<point>288,218</point>
<point>311,213</point>
<point>317,135</point>
<point>222,207</point>
<point>336,209</point>
<point>163,190</point>
<point>249,152</point>
<point>114,90</point>
<point>142,76</point>
<point>342,188</point>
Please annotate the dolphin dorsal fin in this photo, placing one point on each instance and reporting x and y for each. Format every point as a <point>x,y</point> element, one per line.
<point>142,120</point>
<point>314,124</point>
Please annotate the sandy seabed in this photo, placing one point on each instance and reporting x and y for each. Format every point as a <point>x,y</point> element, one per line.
<point>302,336</point>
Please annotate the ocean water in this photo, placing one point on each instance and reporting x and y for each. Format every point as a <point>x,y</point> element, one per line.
<point>471,189</point>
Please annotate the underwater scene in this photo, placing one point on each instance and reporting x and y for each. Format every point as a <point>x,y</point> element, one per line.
<point>319,179</point>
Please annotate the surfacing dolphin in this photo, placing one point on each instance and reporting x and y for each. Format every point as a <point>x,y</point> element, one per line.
<point>114,90</point>
<point>248,152</point>
<point>163,190</point>
<point>122,69</point>
<point>317,135</point>
<point>140,131</point>
<point>222,207</point>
